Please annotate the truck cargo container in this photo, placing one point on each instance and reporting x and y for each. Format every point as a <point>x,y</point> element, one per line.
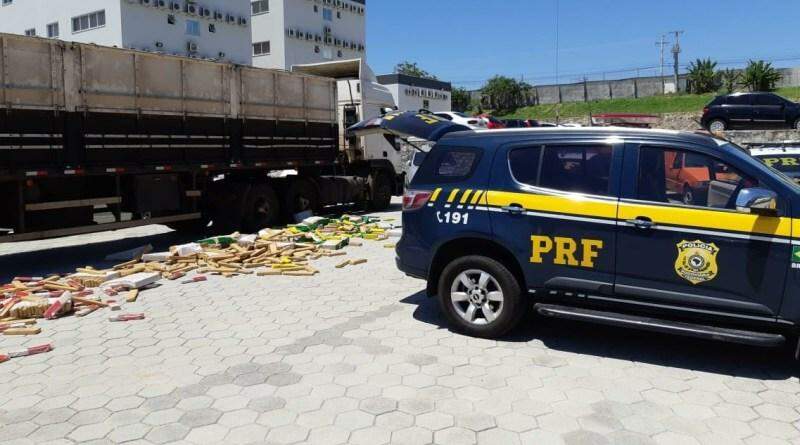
<point>96,138</point>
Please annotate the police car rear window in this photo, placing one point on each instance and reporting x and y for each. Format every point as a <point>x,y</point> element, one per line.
<point>448,165</point>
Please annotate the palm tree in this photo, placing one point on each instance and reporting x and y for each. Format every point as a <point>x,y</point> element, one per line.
<point>730,80</point>
<point>761,76</point>
<point>703,77</point>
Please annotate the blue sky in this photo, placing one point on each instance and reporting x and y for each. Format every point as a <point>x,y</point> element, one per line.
<point>467,41</point>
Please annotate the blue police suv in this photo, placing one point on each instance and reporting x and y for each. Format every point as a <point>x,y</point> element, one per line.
<point>589,224</point>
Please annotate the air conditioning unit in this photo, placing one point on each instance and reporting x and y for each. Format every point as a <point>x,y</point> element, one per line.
<point>218,16</point>
<point>221,55</point>
<point>337,42</point>
<point>328,40</point>
<point>317,38</point>
<point>242,21</point>
<point>230,18</point>
<point>191,47</point>
<point>191,9</point>
<point>205,12</point>
<point>147,2</point>
<point>159,44</point>
<point>290,32</point>
<point>161,4</point>
<point>309,36</point>
<point>175,6</point>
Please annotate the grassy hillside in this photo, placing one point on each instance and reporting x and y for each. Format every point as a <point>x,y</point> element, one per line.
<point>684,103</point>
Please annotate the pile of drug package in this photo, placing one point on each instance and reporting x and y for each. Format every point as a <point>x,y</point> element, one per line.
<point>287,252</point>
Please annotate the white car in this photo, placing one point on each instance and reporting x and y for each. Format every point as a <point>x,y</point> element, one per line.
<point>463,119</point>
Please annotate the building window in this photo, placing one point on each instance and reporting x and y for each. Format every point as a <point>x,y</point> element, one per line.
<point>426,104</point>
<point>260,7</point>
<point>327,14</point>
<point>316,49</point>
<point>89,21</point>
<point>7,2</point>
<point>316,8</point>
<point>30,32</point>
<point>339,53</point>
<point>192,28</point>
<point>261,48</point>
<point>52,30</point>
<point>338,14</point>
<point>327,53</point>
<point>212,27</point>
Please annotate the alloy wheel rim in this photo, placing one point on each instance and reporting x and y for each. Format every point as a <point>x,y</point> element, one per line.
<point>477,297</point>
<point>717,126</point>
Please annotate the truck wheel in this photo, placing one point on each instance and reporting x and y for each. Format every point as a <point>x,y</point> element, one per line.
<point>381,189</point>
<point>261,208</point>
<point>717,125</point>
<point>480,297</point>
<point>301,196</point>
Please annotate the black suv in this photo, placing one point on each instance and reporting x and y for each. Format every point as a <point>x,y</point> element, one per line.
<point>748,111</point>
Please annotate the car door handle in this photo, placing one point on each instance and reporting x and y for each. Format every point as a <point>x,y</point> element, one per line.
<point>514,209</point>
<point>641,222</point>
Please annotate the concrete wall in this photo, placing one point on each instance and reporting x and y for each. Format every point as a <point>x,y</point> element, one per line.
<point>608,89</point>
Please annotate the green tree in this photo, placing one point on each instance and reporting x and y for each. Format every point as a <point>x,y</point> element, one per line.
<point>730,80</point>
<point>703,77</point>
<point>412,69</point>
<point>504,93</point>
<point>760,76</point>
<point>461,99</point>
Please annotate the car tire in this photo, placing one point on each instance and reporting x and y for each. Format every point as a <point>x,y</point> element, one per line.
<point>491,306</point>
<point>797,124</point>
<point>688,196</point>
<point>715,125</point>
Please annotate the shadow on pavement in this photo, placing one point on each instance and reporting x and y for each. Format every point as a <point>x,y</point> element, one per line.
<point>67,258</point>
<point>636,346</point>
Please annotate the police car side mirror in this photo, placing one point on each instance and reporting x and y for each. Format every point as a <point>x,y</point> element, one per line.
<point>758,201</point>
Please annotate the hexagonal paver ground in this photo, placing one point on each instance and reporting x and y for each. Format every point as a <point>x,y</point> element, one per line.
<point>361,355</point>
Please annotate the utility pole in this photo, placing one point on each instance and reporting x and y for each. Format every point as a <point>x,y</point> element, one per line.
<point>676,51</point>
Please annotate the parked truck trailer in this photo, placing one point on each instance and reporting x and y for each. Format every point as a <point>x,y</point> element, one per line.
<point>95,138</point>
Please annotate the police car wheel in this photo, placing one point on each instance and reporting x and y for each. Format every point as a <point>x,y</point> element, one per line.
<point>480,297</point>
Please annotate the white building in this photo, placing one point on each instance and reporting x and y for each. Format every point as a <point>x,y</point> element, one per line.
<point>413,93</point>
<point>296,32</point>
<point>212,29</point>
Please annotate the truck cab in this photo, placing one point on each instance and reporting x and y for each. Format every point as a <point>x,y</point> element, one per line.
<point>586,224</point>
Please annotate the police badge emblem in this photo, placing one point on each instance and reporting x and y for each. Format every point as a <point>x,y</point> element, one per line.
<point>697,261</point>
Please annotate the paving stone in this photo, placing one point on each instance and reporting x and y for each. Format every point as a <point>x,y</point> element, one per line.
<point>318,360</point>
<point>200,417</point>
<point>378,405</point>
<point>171,432</point>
